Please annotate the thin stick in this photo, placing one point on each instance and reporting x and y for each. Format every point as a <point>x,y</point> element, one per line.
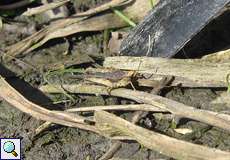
<point>130,107</point>
<point>112,150</point>
<point>179,109</point>
<point>43,8</point>
<point>42,127</point>
<point>103,7</point>
<point>156,91</point>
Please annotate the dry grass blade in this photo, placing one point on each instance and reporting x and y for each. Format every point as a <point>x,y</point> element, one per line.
<point>130,107</point>
<point>61,28</point>
<point>209,117</point>
<point>13,97</point>
<point>110,125</point>
<point>104,7</point>
<point>1,24</point>
<point>45,7</point>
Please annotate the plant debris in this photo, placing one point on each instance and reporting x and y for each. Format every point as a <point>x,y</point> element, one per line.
<point>68,93</point>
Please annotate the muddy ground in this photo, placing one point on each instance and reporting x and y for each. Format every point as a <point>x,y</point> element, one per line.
<point>65,143</point>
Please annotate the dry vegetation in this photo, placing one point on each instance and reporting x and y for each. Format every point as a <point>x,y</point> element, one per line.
<point>137,80</point>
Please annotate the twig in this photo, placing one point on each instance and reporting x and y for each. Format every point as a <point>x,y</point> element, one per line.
<point>156,91</point>
<point>111,125</point>
<point>106,6</point>
<point>45,7</point>
<point>112,150</point>
<point>42,127</point>
<point>130,107</point>
<point>179,109</point>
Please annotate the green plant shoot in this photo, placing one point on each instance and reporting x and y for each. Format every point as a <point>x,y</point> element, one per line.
<point>124,17</point>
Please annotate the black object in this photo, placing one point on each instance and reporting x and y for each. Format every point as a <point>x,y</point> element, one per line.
<point>170,25</point>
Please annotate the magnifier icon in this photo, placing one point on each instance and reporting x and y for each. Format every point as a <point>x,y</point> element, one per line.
<point>9,147</point>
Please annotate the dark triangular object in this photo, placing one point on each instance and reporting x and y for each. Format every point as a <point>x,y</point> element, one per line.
<point>170,25</point>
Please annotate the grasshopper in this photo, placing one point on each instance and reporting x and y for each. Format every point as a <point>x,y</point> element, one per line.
<point>112,78</point>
